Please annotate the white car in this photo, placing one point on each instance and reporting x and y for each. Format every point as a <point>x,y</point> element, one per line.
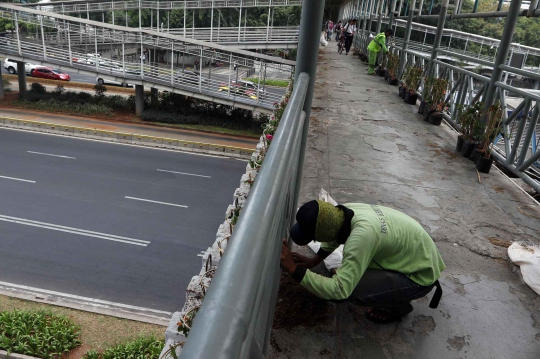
<point>102,81</point>
<point>11,67</point>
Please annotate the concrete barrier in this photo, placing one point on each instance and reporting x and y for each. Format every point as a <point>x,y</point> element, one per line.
<point>129,138</point>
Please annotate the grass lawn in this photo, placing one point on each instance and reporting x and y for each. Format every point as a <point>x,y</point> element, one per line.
<point>97,331</point>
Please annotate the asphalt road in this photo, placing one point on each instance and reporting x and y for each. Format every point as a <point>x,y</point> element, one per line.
<point>151,223</point>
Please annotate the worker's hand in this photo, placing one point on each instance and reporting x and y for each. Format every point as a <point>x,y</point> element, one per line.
<point>287,262</point>
<point>307,262</point>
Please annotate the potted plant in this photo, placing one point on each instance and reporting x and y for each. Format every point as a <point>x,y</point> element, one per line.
<point>437,105</point>
<point>493,125</point>
<point>426,99</point>
<point>392,66</point>
<point>470,123</point>
<point>413,81</point>
<point>381,69</point>
<point>404,82</point>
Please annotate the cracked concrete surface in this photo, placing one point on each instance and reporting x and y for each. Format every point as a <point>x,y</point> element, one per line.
<point>365,144</point>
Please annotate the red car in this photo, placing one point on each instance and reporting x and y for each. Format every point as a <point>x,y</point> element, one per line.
<point>47,73</point>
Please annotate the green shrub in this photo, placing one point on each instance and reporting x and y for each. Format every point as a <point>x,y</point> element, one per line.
<point>100,90</point>
<point>37,88</point>
<point>40,333</point>
<point>240,121</point>
<point>269,82</point>
<point>142,348</point>
<point>6,83</point>
<point>85,96</point>
<point>81,109</point>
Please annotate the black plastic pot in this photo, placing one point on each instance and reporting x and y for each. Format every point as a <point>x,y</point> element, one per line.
<point>402,91</point>
<point>427,111</point>
<point>474,154</point>
<point>382,72</point>
<point>484,164</point>
<point>392,81</point>
<point>459,145</point>
<point>421,107</point>
<point>468,147</point>
<point>435,118</point>
<point>410,98</point>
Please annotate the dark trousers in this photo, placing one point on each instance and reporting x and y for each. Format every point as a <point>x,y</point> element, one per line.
<point>388,289</point>
<point>348,43</point>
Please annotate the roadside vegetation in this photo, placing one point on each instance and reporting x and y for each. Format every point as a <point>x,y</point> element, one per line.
<point>173,108</point>
<point>143,348</point>
<point>269,82</point>
<point>37,333</point>
<point>47,331</point>
<point>164,109</point>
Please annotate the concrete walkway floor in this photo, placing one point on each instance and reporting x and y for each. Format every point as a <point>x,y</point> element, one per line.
<point>367,145</point>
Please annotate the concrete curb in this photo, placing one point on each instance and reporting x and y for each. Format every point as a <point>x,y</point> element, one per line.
<point>5,355</point>
<point>127,138</point>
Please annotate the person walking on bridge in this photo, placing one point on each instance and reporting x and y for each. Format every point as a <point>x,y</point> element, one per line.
<point>388,258</point>
<point>375,46</point>
<point>348,31</point>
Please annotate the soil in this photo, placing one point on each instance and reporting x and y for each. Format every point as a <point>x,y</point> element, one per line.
<point>499,242</point>
<point>77,353</point>
<point>440,150</point>
<point>296,307</point>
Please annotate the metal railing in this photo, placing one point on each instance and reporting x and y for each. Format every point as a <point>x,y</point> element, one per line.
<point>64,7</point>
<point>236,316</point>
<point>215,85</point>
<point>516,146</point>
<point>257,36</point>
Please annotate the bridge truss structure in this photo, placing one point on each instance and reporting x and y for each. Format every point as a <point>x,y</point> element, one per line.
<point>75,38</point>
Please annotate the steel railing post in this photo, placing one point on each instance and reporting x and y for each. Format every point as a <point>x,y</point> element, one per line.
<point>306,61</point>
<point>528,138</point>
<point>69,42</point>
<point>172,63</point>
<point>240,19</point>
<point>438,37</point>
<point>17,33</point>
<point>502,54</point>
<point>43,38</point>
<point>185,15</point>
<point>407,37</point>
<point>212,21</point>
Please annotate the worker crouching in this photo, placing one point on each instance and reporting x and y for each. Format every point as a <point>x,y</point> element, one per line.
<point>375,46</point>
<point>388,258</point>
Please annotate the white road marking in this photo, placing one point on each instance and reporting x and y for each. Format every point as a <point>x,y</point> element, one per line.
<point>183,173</point>
<point>48,154</point>
<point>17,179</point>
<point>81,232</point>
<point>84,299</point>
<point>148,200</point>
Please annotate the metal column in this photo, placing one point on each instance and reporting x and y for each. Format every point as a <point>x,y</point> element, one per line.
<point>306,61</point>
<point>139,100</point>
<point>407,38</point>
<point>1,86</point>
<point>438,36</point>
<point>240,20</point>
<point>21,75</point>
<point>212,22</point>
<point>502,54</point>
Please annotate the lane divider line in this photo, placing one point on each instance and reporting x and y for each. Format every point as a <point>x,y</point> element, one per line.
<point>81,232</point>
<point>83,299</point>
<point>17,179</point>
<point>49,154</point>
<point>149,200</point>
<point>183,173</point>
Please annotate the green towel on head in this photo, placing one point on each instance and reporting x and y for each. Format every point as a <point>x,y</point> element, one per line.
<point>329,222</point>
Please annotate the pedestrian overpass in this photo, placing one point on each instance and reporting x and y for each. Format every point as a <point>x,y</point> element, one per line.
<point>180,54</point>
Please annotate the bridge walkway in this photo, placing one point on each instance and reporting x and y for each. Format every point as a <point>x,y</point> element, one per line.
<point>365,144</point>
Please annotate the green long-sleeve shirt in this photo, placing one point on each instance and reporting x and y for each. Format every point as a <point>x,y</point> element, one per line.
<point>381,238</point>
<point>377,43</point>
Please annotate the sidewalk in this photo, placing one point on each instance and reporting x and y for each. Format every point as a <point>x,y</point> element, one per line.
<point>367,145</point>
<point>141,129</point>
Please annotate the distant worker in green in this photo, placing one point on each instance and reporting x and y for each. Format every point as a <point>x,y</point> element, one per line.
<point>388,258</point>
<point>375,46</point>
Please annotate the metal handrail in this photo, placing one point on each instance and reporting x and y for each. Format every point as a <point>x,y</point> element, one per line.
<point>236,316</point>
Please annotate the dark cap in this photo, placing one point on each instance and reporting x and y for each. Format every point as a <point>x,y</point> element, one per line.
<point>303,231</point>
